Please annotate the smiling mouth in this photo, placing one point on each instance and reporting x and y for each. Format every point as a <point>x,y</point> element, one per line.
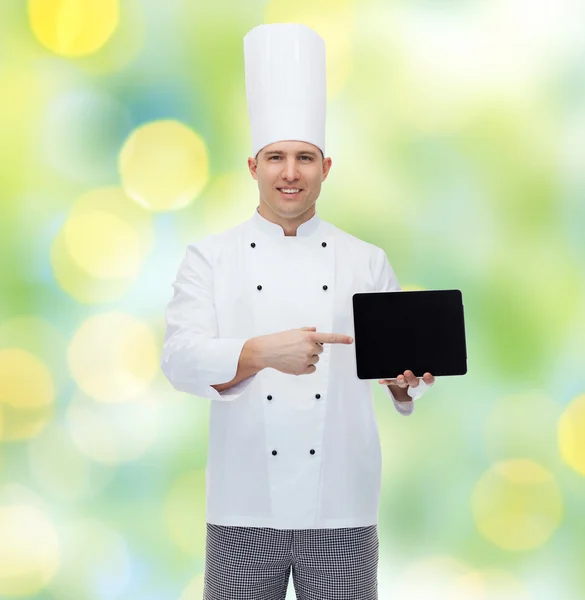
<point>289,194</point>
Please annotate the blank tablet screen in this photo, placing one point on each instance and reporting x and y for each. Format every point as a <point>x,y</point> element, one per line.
<point>423,331</point>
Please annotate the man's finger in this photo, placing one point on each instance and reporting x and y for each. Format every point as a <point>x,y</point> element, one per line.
<point>398,382</point>
<point>331,338</point>
<point>411,380</point>
<point>402,382</point>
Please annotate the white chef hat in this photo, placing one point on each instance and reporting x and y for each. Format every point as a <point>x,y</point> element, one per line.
<point>285,84</point>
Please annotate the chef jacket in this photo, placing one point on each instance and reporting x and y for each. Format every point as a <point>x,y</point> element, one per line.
<point>285,451</point>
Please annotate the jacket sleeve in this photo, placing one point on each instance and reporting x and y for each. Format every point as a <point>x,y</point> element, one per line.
<point>386,281</point>
<point>193,357</point>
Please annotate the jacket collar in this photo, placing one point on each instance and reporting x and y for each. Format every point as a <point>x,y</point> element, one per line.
<point>306,229</point>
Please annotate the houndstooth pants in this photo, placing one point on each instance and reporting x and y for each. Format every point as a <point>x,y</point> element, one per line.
<point>254,563</point>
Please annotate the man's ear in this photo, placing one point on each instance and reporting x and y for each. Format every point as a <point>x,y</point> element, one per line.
<point>327,166</point>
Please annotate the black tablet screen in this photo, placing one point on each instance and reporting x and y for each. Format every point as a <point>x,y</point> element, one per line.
<point>423,331</point>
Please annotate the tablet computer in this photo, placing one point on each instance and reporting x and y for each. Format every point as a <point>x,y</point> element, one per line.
<point>423,331</point>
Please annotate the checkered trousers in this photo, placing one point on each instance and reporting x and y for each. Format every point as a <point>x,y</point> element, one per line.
<point>254,563</point>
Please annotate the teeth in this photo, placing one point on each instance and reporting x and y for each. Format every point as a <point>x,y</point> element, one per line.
<point>289,190</point>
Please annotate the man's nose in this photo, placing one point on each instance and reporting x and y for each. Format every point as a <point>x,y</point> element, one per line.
<point>291,170</point>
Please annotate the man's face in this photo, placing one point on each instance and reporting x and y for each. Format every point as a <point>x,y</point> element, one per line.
<point>289,164</point>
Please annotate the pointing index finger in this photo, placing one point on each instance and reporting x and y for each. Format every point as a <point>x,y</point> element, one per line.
<point>331,338</point>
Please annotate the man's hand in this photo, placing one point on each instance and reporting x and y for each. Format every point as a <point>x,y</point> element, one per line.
<point>296,351</point>
<point>406,380</point>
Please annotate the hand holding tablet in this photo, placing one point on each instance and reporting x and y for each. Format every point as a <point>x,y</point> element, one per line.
<point>407,379</point>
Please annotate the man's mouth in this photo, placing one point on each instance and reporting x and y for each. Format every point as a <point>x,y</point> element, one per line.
<point>290,192</point>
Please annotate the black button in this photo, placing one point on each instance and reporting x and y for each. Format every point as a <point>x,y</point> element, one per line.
<point>274,453</point>
<point>324,244</point>
<point>317,396</point>
<point>312,451</point>
<point>258,287</point>
<point>269,397</point>
<point>253,245</point>
<point>324,287</point>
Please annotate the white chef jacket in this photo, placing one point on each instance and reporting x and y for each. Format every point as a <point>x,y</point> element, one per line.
<point>285,451</point>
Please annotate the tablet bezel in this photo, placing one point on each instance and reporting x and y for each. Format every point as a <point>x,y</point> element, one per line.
<point>461,362</point>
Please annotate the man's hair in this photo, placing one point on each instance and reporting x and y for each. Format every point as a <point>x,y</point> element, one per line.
<point>322,155</point>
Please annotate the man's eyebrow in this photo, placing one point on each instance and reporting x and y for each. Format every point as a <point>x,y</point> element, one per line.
<point>309,152</point>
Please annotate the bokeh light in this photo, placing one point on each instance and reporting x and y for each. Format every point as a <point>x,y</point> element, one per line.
<point>571,434</point>
<point>84,265</point>
<point>42,339</point>
<point>73,28</point>
<point>24,380</point>
<point>84,238</point>
<point>29,550</point>
<point>164,165</point>
<point>113,357</point>
<point>124,46</point>
<point>517,505</point>
<point>27,394</point>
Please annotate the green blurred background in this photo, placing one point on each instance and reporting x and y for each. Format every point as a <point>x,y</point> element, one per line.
<point>457,135</point>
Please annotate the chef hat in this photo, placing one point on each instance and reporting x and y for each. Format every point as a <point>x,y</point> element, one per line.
<point>285,84</point>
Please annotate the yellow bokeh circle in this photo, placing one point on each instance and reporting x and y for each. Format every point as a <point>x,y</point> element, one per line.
<point>78,283</point>
<point>27,394</point>
<point>29,550</point>
<point>85,237</point>
<point>25,382</point>
<point>41,339</point>
<point>517,505</point>
<point>124,45</point>
<point>164,165</point>
<point>97,255</point>
<point>113,357</point>
<point>571,434</point>
<point>73,27</point>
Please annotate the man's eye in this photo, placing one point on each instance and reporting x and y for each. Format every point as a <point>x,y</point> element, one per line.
<point>279,157</point>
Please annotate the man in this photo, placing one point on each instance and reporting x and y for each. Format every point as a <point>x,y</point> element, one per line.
<point>261,323</point>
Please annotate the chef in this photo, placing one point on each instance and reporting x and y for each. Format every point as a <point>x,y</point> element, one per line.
<point>261,323</point>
